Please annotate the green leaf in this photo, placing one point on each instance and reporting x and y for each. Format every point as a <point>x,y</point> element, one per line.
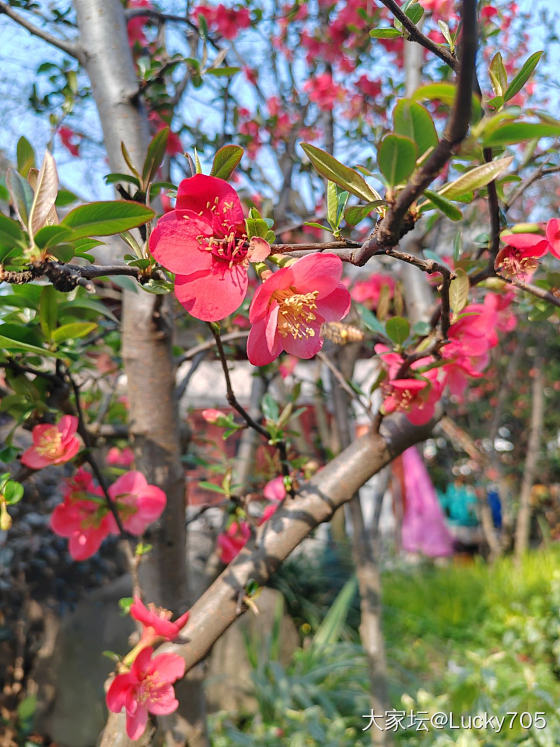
<point>21,194</point>
<point>444,92</point>
<point>51,235</point>
<point>385,33</point>
<point>498,75</point>
<point>117,177</point>
<point>106,218</point>
<point>398,329</point>
<point>396,158</point>
<point>414,121</point>
<point>48,311</point>
<point>27,708</point>
<point>459,291</point>
<point>72,331</point>
<point>270,407</point>
<point>446,207</point>
<point>347,178</point>
<point>353,215</point>
<point>226,160</point>
<point>10,232</point>
<point>478,177</point>
<point>65,197</point>
<point>444,28</point>
<point>9,344</point>
<point>370,320</point>
<point>523,75</point>
<point>13,492</point>
<point>205,485</point>
<point>515,132</point>
<point>154,156</point>
<point>415,12</point>
<point>89,304</point>
<point>25,156</point>
<point>332,204</point>
<point>128,159</point>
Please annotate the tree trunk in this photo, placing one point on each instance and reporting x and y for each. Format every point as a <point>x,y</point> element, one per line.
<point>146,330</point>
<point>531,461</point>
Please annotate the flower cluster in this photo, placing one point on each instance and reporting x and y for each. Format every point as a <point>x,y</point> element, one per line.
<point>226,21</point>
<point>84,516</point>
<point>233,540</point>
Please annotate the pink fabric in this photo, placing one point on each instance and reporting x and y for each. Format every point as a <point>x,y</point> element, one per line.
<point>423,526</point>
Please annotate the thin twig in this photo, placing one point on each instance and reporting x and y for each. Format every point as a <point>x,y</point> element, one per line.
<point>71,48</point>
<point>339,376</point>
<point>414,34</point>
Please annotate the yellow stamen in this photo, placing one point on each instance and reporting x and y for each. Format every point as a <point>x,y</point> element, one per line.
<point>295,313</point>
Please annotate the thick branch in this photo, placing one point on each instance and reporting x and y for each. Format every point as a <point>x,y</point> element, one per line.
<point>315,503</point>
<point>71,48</point>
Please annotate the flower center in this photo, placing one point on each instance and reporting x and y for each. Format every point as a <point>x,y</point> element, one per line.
<point>515,264</point>
<point>296,312</point>
<point>50,444</point>
<point>231,248</point>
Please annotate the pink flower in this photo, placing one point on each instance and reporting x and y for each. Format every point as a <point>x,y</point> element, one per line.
<point>323,91</point>
<point>157,621</point>
<point>204,242</point>
<point>80,518</point>
<point>518,259</point>
<point>553,236</point>
<point>120,457</point>
<point>70,140</point>
<point>275,490</point>
<point>135,26</point>
<point>416,397</point>
<point>470,339</point>
<point>147,688</point>
<point>138,503</point>
<point>227,21</point>
<point>211,415</point>
<point>53,444</point>
<point>232,540</point>
<point>368,291</point>
<point>289,308</point>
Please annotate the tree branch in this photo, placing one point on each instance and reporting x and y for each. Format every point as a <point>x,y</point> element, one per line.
<point>71,48</point>
<point>397,220</point>
<point>414,34</point>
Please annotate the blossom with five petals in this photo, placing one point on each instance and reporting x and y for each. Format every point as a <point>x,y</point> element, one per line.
<point>204,242</point>
<point>146,688</point>
<point>53,444</point>
<point>289,308</point>
<point>137,503</point>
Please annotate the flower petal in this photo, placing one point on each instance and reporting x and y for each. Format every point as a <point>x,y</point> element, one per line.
<point>257,347</point>
<point>317,272</point>
<point>200,193</point>
<point>214,294</point>
<point>305,347</point>
<point>174,242</point>
<point>118,691</point>
<point>136,722</point>
<point>336,305</point>
<point>170,667</point>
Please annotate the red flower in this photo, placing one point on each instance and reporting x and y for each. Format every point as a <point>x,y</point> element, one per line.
<point>416,397</point>
<point>68,139</point>
<point>275,490</point>
<point>135,26</point>
<point>156,621</point>
<point>289,308</point>
<point>53,444</point>
<point>368,291</point>
<point>84,521</point>
<point>553,236</point>
<point>232,540</point>
<point>324,91</point>
<point>138,503</point>
<point>518,259</point>
<point>147,688</point>
<point>204,242</point>
<point>120,457</point>
<point>227,21</point>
